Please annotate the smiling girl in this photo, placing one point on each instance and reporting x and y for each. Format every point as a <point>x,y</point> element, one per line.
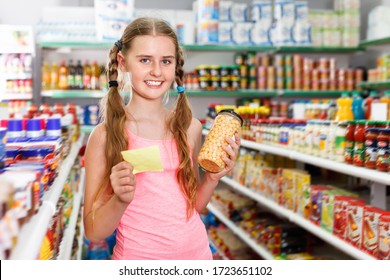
<point>156,214</point>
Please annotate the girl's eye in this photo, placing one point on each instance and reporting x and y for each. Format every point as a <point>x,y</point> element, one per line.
<point>145,60</point>
<point>166,61</point>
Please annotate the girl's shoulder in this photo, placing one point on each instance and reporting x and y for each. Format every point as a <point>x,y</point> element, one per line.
<point>195,128</point>
<point>98,134</point>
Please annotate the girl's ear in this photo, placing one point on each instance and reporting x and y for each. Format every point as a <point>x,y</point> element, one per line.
<point>121,62</point>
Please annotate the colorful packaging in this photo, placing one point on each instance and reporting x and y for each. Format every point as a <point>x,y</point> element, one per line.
<point>370,229</point>
<point>316,203</point>
<point>355,210</point>
<point>384,237</point>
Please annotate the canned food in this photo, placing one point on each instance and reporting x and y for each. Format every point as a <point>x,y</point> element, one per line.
<point>252,71</point>
<point>226,124</point>
<point>214,70</point>
<point>251,59</point>
<point>252,83</point>
<point>235,71</point>
<point>203,71</point>
<point>235,83</point>
<point>243,71</point>
<point>239,58</point>
<point>224,71</point>
<point>204,83</point>
<point>225,83</point>
<point>244,83</point>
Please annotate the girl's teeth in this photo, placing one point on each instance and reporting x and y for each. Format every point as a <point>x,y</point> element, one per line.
<point>153,83</point>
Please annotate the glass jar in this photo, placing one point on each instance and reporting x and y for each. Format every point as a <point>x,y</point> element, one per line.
<point>226,124</point>
<point>359,138</point>
<point>349,142</point>
<point>339,141</point>
<point>370,153</point>
<point>382,160</point>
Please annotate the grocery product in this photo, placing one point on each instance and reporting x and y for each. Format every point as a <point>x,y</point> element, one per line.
<point>226,124</point>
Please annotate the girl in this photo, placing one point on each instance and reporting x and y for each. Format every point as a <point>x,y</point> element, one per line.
<point>156,214</point>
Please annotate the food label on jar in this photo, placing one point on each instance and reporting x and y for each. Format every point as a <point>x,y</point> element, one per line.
<point>370,155</point>
<point>358,153</point>
<point>340,145</point>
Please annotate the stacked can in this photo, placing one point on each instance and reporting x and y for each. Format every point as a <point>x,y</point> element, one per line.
<point>306,73</point>
<point>278,63</point>
<point>288,72</point>
<point>298,69</point>
<point>247,68</point>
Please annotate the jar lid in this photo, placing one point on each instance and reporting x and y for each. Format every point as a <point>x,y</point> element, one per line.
<point>233,113</point>
<point>372,129</point>
<point>383,130</point>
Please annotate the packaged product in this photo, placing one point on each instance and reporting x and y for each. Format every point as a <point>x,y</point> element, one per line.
<point>316,203</point>
<point>384,237</point>
<point>288,188</point>
<point>302,188</point>
<point>370,229</point>
<point>355,210</point>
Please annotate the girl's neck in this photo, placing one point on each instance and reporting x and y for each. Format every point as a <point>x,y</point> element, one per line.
<point>146,109</point>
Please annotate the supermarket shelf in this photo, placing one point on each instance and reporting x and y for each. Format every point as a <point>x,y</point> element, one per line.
<point>214,47</point>
<point>211,242</point>
<point>73,93</point>
<point>299,220</point>
<point>76,45</point>
<point>260,93</point>
<point>32,233</point>
<point>312,49</point>
<point>81,241</point>
<point>377,42</point>
<point>261,250</point>
<point>15,76</point>
<point>15,96</point>
<point>361,172</point>
<point>87,129</point>
<point>375,85</point>
<point>67,240</point>
<point>228,48</point>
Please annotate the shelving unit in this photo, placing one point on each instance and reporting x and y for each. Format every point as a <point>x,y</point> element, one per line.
<point>261,250</point>
<point>16,96</point>
<point>361,172</point>
<point>375,85</point>
<point>67,240</point>
<point>208,48</point>
<point>373,43</point>
<point>73,93</point>
<point>87,129</point>
<point>32,233</point>
<point>295,218</point>
<point>200,93</point>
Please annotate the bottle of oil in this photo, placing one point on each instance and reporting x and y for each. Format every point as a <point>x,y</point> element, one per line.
<point>87,75</point>
<point>54,76</point>
<point>79,75</point>
<point>95,75</point>
<point>45,76</point>
<point>71,75</point>
<point>63,76</point>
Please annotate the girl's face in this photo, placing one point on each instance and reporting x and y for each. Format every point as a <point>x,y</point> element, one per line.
<point>151,61</point>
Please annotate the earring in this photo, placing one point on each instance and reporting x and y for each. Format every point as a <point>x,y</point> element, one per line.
<point>166,98</point>
<point>126,86</point>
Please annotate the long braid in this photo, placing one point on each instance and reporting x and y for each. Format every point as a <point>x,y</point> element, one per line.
<point>179,127</point>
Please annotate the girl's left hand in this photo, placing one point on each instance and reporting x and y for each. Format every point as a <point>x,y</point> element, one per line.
<point>232,152</point>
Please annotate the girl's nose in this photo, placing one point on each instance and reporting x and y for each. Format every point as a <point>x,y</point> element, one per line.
<point>156,70</point>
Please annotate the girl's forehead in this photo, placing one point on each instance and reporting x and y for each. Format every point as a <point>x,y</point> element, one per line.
<point>153,45</point>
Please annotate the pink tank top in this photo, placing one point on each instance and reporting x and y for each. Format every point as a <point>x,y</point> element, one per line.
<point>154,225</point>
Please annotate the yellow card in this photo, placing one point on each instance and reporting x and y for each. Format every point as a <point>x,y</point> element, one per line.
<point>144,159</point>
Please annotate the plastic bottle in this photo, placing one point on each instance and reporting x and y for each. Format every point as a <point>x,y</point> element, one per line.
<point>357,106</point>
<point>79,75</point>
<point>344,111</point>
<point>54,76</point>
<point>63,76</point>
<point>95,75</point>
<point>71,75</point>
<point>386,99</point>
<point>87,75</point>
<point>373,97</point>
<point>45,76</point>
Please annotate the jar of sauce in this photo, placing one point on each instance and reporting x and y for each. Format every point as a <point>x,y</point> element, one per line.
<point>382,160</point>
<point>359,138</point>
<point>370,154</point>
<point>349,142</point>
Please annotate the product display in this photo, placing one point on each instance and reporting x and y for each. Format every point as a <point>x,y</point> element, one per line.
<point>309,99</point>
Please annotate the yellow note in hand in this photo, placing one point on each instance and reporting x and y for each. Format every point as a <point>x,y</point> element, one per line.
<point>144,159</point>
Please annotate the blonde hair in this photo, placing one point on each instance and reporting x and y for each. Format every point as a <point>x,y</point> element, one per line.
<point>114,114</point>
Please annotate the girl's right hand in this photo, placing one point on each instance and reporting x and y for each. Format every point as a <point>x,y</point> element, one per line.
<point>123,181</point>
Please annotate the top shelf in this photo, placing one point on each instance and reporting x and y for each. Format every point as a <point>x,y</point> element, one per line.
<point>373,43</point>
<point>281,49</point>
